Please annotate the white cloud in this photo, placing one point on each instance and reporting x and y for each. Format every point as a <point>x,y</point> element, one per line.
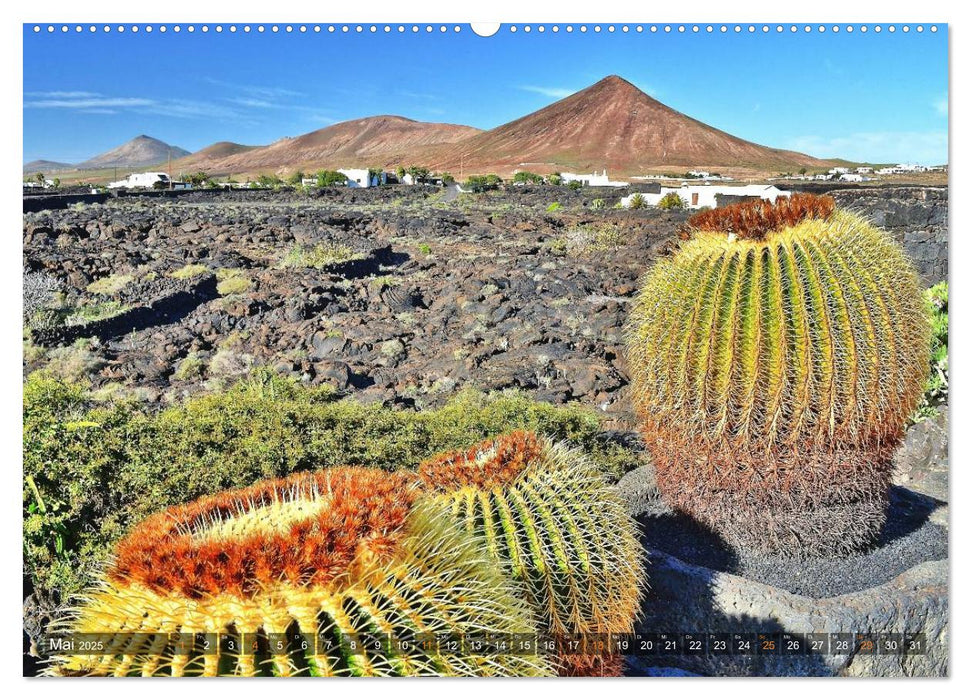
<point>256,90</point>
<point>62,94</point>
<point>926,147</point>
<point>88,103</point>
<point>557,92</point>
<point>251,102</point>
<point>418,95</point>
<point>940,105</point>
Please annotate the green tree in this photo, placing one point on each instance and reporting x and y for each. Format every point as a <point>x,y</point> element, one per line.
<point>329,178</point>
<point>555,179</point>
<point>268,181</point>
<point>527,177</point>
<point>482,183</point>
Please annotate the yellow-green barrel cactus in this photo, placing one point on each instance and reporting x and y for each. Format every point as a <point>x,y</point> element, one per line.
<point>337,558</point>
<point>774,360</point>
<point>549,517</point>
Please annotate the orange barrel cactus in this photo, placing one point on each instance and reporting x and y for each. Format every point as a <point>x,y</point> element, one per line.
<point>306,571</point>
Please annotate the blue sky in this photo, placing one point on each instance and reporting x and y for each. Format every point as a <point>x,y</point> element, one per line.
<point>869,97</point>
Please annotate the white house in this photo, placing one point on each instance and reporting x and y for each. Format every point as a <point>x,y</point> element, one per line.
<point>362,177</point>
<point>901,169</point>
<point>864,170</point>
<point>838,171</point>
<point>852,177</point>
<point>146,180</point>
<point>593,179</point>
<point>698,196</point>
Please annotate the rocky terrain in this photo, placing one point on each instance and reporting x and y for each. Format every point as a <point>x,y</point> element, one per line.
<point>411,298</point>
<point>395,295</point>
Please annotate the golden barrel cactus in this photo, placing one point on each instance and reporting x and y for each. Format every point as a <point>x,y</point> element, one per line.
<point>549,517</point>
<point>774,360</point>
<point>338,558</point>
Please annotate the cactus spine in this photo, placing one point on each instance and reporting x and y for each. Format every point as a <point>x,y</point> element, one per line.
<point>774,361</point>
<point>550,519</point>
<point>331,556</point>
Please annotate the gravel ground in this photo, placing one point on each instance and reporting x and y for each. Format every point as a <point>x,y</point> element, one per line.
<point>908,539</point>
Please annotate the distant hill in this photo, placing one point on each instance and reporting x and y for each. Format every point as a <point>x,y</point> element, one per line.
<point>612,124</point>
<point>45,166</point>
<point>374,141</point>
<point>139,152</point>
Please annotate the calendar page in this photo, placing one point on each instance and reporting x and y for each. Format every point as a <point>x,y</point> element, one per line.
<point>518,349</point>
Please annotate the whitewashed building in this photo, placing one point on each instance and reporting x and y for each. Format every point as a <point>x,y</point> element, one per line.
<point>593,179</point>
<point>362,177</point>
<point>698,196</point>
<point>146,180</point>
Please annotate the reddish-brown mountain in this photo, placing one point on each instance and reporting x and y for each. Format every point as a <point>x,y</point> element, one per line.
<point>373,141</point>
<point>612,125</point>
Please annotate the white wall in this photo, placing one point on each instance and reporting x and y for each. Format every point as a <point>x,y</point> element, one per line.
<point>698,196</point>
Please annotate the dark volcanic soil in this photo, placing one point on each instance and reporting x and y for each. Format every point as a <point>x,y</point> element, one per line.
<point>424,296</point>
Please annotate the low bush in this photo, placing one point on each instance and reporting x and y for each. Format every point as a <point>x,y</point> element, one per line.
<point>189,271</point>
<point>936,388</point>
<point>40,290</point>
<point>109,286</point>
<point>321,255</point>
<point>589,240</point>
<point>232,281</point>
<point>99,469</point>
<point>671,201</point>
<point>482,183</point>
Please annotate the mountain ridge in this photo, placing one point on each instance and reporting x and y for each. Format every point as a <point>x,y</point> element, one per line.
<point>138,152</point>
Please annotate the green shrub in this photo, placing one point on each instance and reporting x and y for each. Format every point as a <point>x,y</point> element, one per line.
<point>587,240</point>
<point>671,201</point>
<point>936,387</point>
<point>232,281</point>
<point>482,183</point>
<point>109,286</point>
<point>555,206</point>
<point>575,185</point>
<point>190,367</point>
<point>321,255</point>
<point>527,177</point>
<point>89,313</point>
<point>636,201</point>
<point>598,203</point>
<point>101,468</point>
<point>189,271</point>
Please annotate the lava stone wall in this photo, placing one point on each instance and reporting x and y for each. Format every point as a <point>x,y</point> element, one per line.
<point>917,218</point>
